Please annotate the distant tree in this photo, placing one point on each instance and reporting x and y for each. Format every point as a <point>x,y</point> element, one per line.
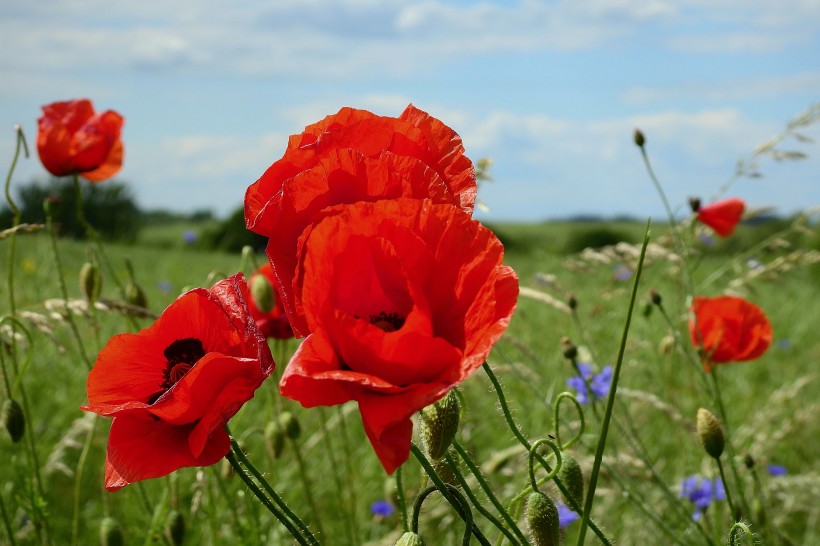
<point>231,235</point>
<point>108,206</point>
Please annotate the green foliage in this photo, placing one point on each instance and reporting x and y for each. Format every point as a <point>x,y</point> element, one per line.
<point>597,236</point>
<point>231,235</point>
<point>108,206</point>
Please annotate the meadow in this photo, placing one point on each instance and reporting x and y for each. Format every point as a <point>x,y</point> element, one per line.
<point>326,470</point>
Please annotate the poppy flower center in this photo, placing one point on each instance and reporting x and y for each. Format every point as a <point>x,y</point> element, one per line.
<point>389,322</point>
<point>181,356</point>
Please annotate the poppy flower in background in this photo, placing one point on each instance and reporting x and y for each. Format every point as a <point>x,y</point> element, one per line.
<point>172,387</point>
<point>404,299</point>
<point>353,155</point>
<point>273,322</point>
<point>72,139</point>
<point>728,329</point>
<point>722,216</point>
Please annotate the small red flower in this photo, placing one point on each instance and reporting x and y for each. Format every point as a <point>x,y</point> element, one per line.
<point>352,156</point>
<point>404,299</point>
<point>172,387</point>
<point>273,323</point>
<point>722,216</point>
<point>728,329</point>
<point>72,139</point>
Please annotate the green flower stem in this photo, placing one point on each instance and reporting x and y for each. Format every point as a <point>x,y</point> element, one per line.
<point>69,317</point>
<point>502,400</point>
<point>264,499</point>
<point>6,522</point>
<point>78,479</point>
<point>732,506</point>
<point>772,533</point>
<point>486,513</point>
<point>351,481</point>
<point>730,452</point>
<point>230,501</point>
<point>442,487</point>
<point>402,502</point>
<point>610,403</point>
<point>337,480</point>
<point>237,455</point>
<point>306,484</point>
<point>463,510</point>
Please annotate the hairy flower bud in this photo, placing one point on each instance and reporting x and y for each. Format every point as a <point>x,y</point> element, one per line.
<point>542,519</point>
<point>175,528</point>
<point>111,533</point>
<point>90,281</point>
<point>13,419</point>
<point>262,293</point>
<point>135,295</point>
<point>710,432</point>
<point>572,477</point>
<point>439,424</point>
<point>289,425</point>
<point>638,138</point>
<point>410,539</point>
<point>274,439</point>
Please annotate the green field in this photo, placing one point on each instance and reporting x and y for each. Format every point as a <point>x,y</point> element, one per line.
<point>771,402</point>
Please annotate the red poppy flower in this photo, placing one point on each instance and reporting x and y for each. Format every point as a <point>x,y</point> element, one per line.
<point>722,216</point>
<point>425,159</point>
<point>172,387</point>
<point>729,329</point>
<point>71,139</point>
<point>404,299</point>
<point>274,322</point>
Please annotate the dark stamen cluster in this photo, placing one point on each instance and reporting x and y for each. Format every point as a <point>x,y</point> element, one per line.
<point>181,356</point>
<point>389,322</point>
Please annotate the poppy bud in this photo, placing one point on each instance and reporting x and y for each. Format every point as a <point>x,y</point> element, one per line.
<point>262,293</point>
<point>111,533</point>
<point>13,419</point>
<point>290,426</point>
<point>52,205</point>
<point>655,297</point>
<point>749,461</point>
<point>570,350</point>
<point>542,519</point>
<point>639,139</point>
<point>667,345</point>
<point>444,471</point>
<point>410,539</point>
<point>90,281</point>
<point>572,301</point>
<point>175,528</point>
<point>135,295</point>
<point>274,439</point>
<point>694,204</point>
<point>647,310</point>
<point>710,432</point>
<point>439,424</point>
<point>572,477</point>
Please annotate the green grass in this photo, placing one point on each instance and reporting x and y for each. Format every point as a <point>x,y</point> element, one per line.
<point>769,420</point>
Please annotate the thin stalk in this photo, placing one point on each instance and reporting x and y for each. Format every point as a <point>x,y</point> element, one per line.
<point>306,484</point>
<point>442,487</point>
<point>78,480</point>
<point>237,452</point>
<point>351,482</point>
<point>7,522</point>
<point>486,513</point>
<point>402,502</point>
<point>231,501</point>
<point>337,481</point>
<point>502,400</point>
<point>245,477</point>
<point>610,403</point>
<point>729,500</point>
<point>488,491</point>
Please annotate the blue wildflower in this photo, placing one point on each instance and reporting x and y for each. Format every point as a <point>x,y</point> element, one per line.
<point>784,344</point>
<point>190,237</point>
<point>164,287</point>
<point>566,515</point>
<point>706,238</point>
<point>776,470</point>
<point>382,508</point>
<point>621,272</point>
<point>701,492</point>
<point>599,383</point>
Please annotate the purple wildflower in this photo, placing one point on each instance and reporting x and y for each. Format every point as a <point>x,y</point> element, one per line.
<point>190,237</point>
<point>784,344</point>
<point>382,508</point>
<point>776,470</point>
<point>164,287</point>
<point>566,515</point>
<point>701,492</point>
<point>706,238</point>
<point>599,383</point>
<point>622,272</point>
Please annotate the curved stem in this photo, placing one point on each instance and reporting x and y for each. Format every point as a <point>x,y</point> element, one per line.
<point>78,479</point>
<point>463,509</point>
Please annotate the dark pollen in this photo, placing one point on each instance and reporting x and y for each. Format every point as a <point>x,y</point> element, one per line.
<point>389,322</point>
<point>181,356</point>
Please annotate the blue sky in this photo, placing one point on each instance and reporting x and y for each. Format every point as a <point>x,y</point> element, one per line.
<point>550,90</point>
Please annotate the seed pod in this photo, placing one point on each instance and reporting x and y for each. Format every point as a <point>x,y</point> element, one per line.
<point>13,419</point>
<point>262,293</point>
<point>572,477</point>
<point>90,281</point>
<point>710,432</point>
<point>410,539</point>
<point>274,439</point>
<point>542,519</point>
<point>135,295</point>
<point>175,528</point>
<point>289,425</point>
<point>111,533</point>
<point>439,424</point>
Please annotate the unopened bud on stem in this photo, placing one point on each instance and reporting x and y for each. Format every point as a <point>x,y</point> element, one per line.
<point>710,432</point>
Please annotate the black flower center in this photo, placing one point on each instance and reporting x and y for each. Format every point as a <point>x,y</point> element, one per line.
<point>389,322</point>
<point>180,356</point>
